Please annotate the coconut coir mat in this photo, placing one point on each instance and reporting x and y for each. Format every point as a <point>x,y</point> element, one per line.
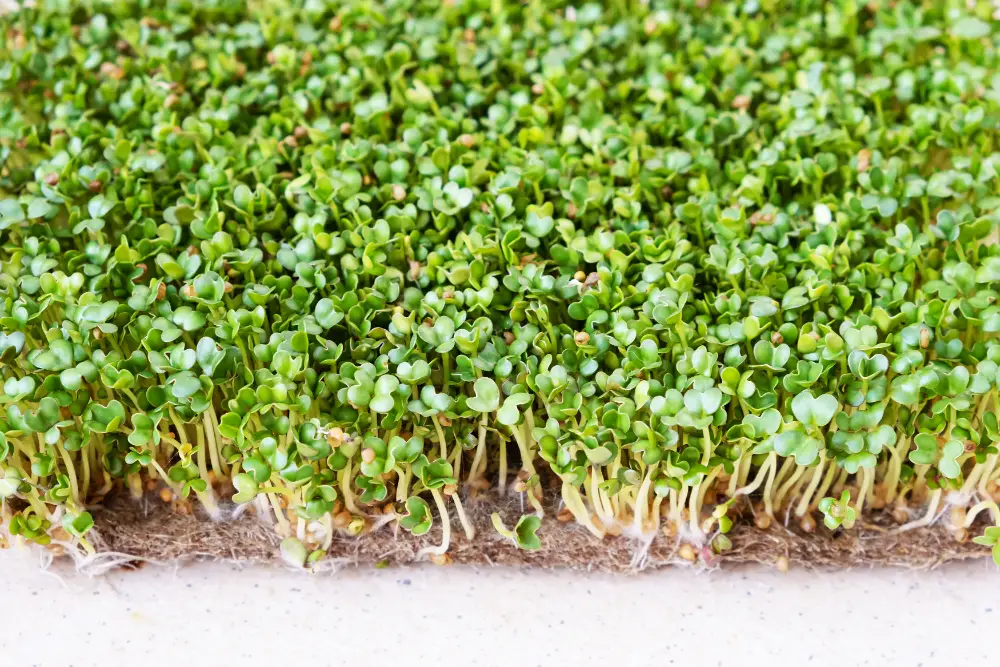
<point>150,531</point>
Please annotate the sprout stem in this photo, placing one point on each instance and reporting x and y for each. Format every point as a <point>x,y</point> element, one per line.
<point>445,528</point>
<point>779,497</point>
<point>866,484</point>
<point>831,472</point>
<point>85,475</point>
<point>759,479</point>
<point>344,481</point>
<point>642,498</point>
<point>896,456</point>
<point>984,479</point>
<point>474,472</point>
<point>214,451</point>
<point>470,532</point>
<point>574,503</point>
<point>503,466</point>
<point>768,506</point>
<point>403,484</point>
<point>442,443</point>
<point>526,454</point>
<point>803,505</point>
<point>70,472</point>
<point>928,517</point>
<point>970,516</point>
<point>279,514</point>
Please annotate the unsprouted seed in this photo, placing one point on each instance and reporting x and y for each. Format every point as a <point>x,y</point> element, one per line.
<point>645,267</point>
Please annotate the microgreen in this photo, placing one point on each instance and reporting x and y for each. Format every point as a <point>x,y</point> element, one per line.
<point>343,262</point>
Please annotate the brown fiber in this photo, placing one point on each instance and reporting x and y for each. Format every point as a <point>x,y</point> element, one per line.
<point>149,530</point>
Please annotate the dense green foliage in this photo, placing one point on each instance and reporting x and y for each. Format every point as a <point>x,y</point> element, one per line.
<point>356,262</point>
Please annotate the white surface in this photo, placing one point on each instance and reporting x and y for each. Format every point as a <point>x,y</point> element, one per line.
<point>213,614</point>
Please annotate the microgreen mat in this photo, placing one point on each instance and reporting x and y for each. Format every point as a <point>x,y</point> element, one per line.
<point>653,267</point>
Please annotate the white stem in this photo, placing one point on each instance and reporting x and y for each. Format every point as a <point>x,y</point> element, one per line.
<point>928,518</point>
<point>441,549</point>
<point>803,505</point>
<point>761,475</point>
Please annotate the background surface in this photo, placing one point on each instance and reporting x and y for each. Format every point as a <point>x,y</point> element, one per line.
<point>216,614</point>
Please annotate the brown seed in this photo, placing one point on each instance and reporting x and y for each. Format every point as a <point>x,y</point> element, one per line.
<point>166,495</point>
<point>368,455</point>
<point>357,526</point>
<point>781,564</point>
<point>149,22</point>
<point>227,287</point>
<point>442,559</point>
<point>341,520</point>
<point>449,489</point>
<point>649,27</point>
<point>95,186</point>
<point>112,71</point>
<point>762,521</point>
<point>398,192</point>
<point>520,487</point>
<point>415,269</point>
<point>582,337</point>
<point>192,250</point>
<point>687,552</point>
<point>467,140</point>
<point>444,421</point>
<point>564,516</point>
<point>957,516</point>
<point>469,35</point>
<point>592,279</point>
<point>335,24</point>
<point>98,334</point>
<point>240,70</point>
<point>538,89</point>
<point>271,58</point>
<point>669,529</point>
<point>613,529</point>
<point>571,210</point>
<point>777,338</point>
<point>170,100</point>
<point>300,132</point>
<point>51,179</point>
<point>335,436</point>
<point>742,102</point>
<point>345,128</point>
<point>508,337</point>
<point>188,291</point>
<point>962,535</point>
<point>864,159</point>
<point>807,523</point>
<point>579,276</point>
<point>161,291</point>
<point>900,515</point>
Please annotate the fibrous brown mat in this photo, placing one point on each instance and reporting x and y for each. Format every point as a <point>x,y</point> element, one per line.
<point>149,530</point>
